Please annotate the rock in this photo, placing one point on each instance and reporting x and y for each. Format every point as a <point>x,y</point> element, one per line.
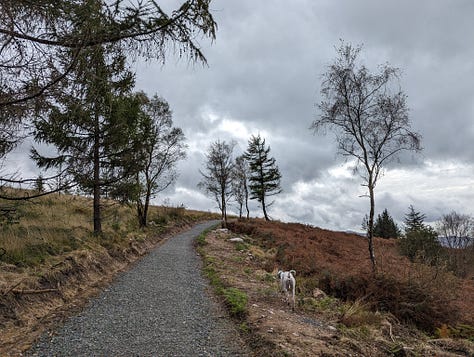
<point>236,240</point>
<point>319,294</point>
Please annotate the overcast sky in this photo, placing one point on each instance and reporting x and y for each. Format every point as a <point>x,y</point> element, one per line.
<point>264,74</point>
<point>264,77</point>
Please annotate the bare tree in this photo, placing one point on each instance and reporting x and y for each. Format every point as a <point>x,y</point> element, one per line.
<point>217,176</point>
<point>456,229</point>
<point>164,147</point>
<point>369,116</point>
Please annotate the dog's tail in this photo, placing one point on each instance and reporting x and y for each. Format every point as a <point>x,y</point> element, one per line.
<point>293,272</point>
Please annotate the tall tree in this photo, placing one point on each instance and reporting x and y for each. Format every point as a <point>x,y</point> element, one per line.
<point>42,43</point>
<point>217,175</point>
<point>239,184</point>
<point>163,147</point>
<point>93,125</point>
<point>414,220</point>
<point>264,175</point>
<point>385,226</point>
<point>369,116</point>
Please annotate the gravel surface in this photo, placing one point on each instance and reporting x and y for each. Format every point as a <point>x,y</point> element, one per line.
<point>161,307</point>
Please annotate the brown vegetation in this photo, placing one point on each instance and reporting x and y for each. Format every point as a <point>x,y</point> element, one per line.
<point>322,325</point>
<point>339,264</point>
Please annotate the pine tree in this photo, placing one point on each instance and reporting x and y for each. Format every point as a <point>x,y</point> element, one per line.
<point>264,175</point>
<point>414,220</point>
<point>420,241</point>
<point>385,227</point>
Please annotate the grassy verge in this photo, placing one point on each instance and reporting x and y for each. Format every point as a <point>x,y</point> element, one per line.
<point>234,299</point>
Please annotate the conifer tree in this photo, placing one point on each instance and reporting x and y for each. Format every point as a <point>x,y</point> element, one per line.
<point>420,240</point>
<point>42,43</point>
<point>264,175</point>
<point>414,220</point>
<point>93,125</point>
<point>385,227</point>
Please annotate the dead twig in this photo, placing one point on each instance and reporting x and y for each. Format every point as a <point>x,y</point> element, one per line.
<point>26,291</point>
<point>12,288</point>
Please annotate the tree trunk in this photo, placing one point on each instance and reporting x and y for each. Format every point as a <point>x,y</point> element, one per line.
<point>145,208</point>
<point>247,201</point>
<point>370,228</point>
<point>96,184</point>
<point>264,209</point>
<point>224,211</point>
<point>140,212</point>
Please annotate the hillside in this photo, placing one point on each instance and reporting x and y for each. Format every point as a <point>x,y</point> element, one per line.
<point>51,264</point>
<point>407,309</point>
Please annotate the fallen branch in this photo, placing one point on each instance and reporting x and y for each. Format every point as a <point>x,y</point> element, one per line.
<point>25,291</point>
<point>12,287</point>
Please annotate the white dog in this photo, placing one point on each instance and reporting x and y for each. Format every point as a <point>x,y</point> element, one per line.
<point>288,285</point>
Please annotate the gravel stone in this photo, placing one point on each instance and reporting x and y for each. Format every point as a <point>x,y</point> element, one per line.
<point>161,307</point>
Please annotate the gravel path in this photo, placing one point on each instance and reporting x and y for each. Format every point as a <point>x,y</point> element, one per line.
<point>160,307</point>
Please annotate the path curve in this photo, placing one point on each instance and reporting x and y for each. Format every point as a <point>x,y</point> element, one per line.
<point>161,307</point>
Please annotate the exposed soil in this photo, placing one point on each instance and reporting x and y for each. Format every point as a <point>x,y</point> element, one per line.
<point>320,325</point>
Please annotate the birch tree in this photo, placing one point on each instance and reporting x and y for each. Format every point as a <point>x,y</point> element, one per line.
<point>368,114</point>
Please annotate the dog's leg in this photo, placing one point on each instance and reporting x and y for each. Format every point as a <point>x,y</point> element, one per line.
<point>293,291</point>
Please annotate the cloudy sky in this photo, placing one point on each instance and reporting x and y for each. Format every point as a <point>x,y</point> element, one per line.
<point>264,77</point>
<point>264,74</point>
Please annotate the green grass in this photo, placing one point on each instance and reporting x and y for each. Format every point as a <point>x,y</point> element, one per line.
<point>236,301</point>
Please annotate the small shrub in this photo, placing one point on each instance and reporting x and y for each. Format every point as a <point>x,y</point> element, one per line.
<point>422,245</point>
<point>426,306</point>
<point>358,313</point>
<point>267,277</point>
<point>306,285</point>
<point>241,247</point>
<point>160,220</point>
<point>201,239</point>
<point>244,328</point>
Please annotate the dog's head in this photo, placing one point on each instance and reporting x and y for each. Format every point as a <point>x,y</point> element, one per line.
<point>279,274</point>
